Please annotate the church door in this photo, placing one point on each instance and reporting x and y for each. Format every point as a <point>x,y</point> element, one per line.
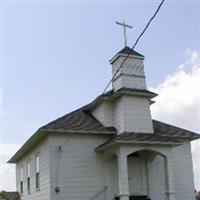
<point>135,175</point>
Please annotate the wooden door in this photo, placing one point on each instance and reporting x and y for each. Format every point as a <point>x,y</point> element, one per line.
<point>135,175</point>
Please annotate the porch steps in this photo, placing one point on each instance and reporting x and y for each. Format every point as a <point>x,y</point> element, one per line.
<point>135,198</point>
<point>138,198</point>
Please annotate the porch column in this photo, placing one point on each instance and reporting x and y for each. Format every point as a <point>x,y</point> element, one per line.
<point>123,175</point>
<point>169,178</point>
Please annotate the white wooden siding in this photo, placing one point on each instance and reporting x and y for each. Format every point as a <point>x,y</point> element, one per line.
<point>137,176</point>
<point>104,113</point>
<point>156,178</point>
<point>81,171</point>
<point>131,75</point>
<point>183,172</point>
<point>132,114</point>
<point>44,192</point>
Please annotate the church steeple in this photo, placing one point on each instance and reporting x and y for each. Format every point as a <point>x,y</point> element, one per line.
<point>129,109</point>
<point>131,73</point>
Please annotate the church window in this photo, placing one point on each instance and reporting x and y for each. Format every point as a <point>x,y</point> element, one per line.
<point>28,175</point>
<point>37,175</point>
<point>21,180</point>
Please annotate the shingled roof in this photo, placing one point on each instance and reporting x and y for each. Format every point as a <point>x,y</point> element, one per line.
<point>78,121</point>
<point>126,51</point>
<point>164,129</point>
<point>83,121</point>
<point>138,138</point>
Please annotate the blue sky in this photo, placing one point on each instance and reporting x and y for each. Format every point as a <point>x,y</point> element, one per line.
<point>56,54</point>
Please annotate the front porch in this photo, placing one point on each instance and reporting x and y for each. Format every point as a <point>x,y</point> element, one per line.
<point>144,172</point>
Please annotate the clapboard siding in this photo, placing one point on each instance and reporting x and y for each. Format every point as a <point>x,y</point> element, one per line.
<point>126,114</point>
<point>104,114</point>
<point>132,114</point>
<point>183,172</point>
<point>131,75</point>
<point>80,171</point>
<point>137,176</point>
<point>44,192</point>
<point>156,178</point>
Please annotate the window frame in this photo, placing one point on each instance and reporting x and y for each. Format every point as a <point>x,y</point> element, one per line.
<point>37,171</point>
<point>22,179</point>
<point>28,176</point>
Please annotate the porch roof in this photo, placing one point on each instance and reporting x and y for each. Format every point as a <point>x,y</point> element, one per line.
<point>141,138</point>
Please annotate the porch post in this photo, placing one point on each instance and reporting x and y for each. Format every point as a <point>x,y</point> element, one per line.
<point>123,175</point>
<point>169,178</point>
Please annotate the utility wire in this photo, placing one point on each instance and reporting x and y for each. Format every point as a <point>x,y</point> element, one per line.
<point>141,34</point>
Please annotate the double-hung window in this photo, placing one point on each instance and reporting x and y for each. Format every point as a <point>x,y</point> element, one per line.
<point>37,174</point>
<point>28,176</point>
<point>21,180</point>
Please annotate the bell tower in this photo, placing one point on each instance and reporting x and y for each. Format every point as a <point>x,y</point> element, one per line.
<point>128,108</point>
<point>130,74</point>
<point>132,108</point>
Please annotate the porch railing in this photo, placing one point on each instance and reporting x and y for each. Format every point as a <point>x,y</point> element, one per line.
<point>99,193</point>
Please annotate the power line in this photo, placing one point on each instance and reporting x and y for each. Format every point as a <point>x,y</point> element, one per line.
<point>141,34</point>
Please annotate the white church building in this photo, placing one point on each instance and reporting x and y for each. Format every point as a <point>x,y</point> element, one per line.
<point>110,149</point>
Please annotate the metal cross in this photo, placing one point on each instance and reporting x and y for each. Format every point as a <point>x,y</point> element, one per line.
<point>124,25</point>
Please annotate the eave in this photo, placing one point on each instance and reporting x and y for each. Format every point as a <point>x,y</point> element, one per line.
<point>29,144</point>
<point>42,133</point>
<point>105,146</point>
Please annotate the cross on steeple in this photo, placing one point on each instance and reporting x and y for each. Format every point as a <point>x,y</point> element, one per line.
<point>124,25</point>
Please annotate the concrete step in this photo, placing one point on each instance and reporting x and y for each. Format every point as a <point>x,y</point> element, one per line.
<point>135,198</point>
<point>138,198</point>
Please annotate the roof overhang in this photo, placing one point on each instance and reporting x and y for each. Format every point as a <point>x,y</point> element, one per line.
<point>130,142</point>
<point>139,138</point>
<point>127,52</point>
<point>42,133</point>
<point>111,96</point>
<point>112,60</point>
<point>30,143</point>
<point>79,132</point>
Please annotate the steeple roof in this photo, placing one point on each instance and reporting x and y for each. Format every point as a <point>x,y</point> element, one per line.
<point>128,50</point>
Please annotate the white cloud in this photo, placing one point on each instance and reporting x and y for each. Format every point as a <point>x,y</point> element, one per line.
<point>7,171</point>
<point>7,174</point>
<point>178,102</point>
